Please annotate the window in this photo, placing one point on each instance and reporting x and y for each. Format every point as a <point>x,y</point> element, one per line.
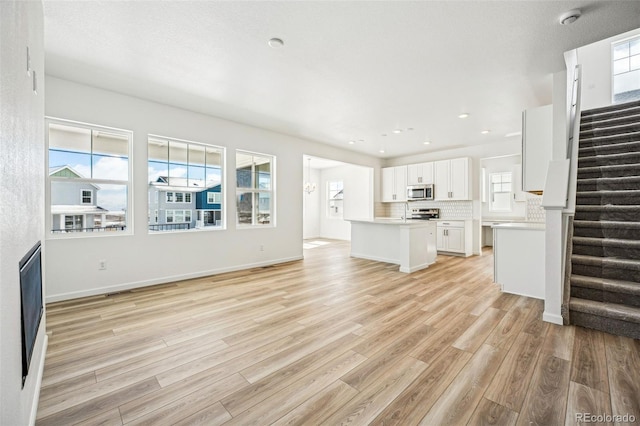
<point>255,188</point>
<point>87,196</point>
<point>626,71</point>
<point>500,190</point>
<point>213,198</point>
<point>88,178</point>
<point>178,216</point>
<point>335,192</point>
<point>186,172</point>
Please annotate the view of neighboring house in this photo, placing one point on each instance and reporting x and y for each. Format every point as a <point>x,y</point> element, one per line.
<point>173,205</point>
<point>74,205</point>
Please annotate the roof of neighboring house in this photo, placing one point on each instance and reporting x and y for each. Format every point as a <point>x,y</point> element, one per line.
<point>67,171</point>
<point>74,209</point>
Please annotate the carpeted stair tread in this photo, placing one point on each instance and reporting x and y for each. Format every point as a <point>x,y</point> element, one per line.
<point>611,148</point>
<point>618,170</point>
<point>622,108</point>
<point>614,130</point>
<point>603,309</point>
<point>606,284</point>
<point>607,242</point>
<point>609,120</point>
<point>627,264</point>
<point>608,197</point>
<point>610,159</point>
<point>609,184</point>
<point>625,213</point>
<point>591,140</point>
<point>605,224</point>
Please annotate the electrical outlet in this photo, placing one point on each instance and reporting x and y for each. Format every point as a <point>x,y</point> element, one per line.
<point>261,247</point>
<point>102,265</point>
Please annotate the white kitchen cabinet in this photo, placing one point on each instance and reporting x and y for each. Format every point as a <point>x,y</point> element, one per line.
<point>394,184</point>
<point>537,147</point>
<point>452,179</point>
<point>454,236</point>
<point>420,174</point>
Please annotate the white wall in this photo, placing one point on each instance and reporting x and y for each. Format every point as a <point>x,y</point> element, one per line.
<point>143,259</point>
<point>21,198</point>
<point>596,71</point>
<point>312,206</point>
<point>358,199</point>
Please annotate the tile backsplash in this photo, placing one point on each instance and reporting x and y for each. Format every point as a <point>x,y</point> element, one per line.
<point>448,209</point>
<point>535,211</point>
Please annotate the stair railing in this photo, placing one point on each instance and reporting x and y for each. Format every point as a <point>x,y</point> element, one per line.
<point>573,139</point>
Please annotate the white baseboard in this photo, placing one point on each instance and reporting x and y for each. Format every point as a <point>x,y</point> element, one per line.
<point>552,318</point>
<point>163,280</point>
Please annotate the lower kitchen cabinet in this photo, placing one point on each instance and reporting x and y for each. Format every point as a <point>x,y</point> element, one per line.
<point>454,236</point>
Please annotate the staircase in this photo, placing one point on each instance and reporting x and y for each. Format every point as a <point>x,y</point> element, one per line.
<point>605,259</point>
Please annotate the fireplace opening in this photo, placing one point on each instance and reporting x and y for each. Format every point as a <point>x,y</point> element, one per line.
<point>31,303</point>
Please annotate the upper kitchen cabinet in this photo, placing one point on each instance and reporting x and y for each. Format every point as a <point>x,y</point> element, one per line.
<point>394,184</point>
<point>537,146</point>
<point>420,174</point>
<point>452,179</point>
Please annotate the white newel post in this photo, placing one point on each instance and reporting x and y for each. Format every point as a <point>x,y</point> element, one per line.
<point>553,286</point>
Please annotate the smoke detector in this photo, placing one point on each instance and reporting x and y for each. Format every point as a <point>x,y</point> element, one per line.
<point>570,17</point>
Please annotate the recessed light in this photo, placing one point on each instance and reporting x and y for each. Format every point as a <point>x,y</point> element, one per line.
<point>275,43</point>
<point>397,131</point>
<point>352,142</point>
<point>485,132</point>
<point>463,115</point>
<point>426,143</point>
<point>508,135</point>
<point>381,151</point>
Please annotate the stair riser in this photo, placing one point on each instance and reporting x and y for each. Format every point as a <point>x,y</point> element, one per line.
<point>593,142</point>
<point>605,296</point>
<point>635,127</point>
<point>609,173</point>
<point>603,200</point>
<point>609,185</point>
<point>613,215</point>
<point>608,325</point>
<point>615,110</point>
<point>620,233</point>
<point>617,148</point>
<point>603,122</point>
<point>605,272</point>
<point>611,160</point>
<point>599,251</point>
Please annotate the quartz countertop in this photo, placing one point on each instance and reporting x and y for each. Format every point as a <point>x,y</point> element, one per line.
<point>392,221</point>
<point>532,226</point>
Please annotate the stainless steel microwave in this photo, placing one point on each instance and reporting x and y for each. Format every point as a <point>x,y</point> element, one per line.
<point>420,192</point>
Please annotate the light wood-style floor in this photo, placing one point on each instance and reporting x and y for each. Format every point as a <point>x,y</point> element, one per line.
<point>330,340</point>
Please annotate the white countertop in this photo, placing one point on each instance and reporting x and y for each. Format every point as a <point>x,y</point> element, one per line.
<point>530,226</point>
<point>392,221</point>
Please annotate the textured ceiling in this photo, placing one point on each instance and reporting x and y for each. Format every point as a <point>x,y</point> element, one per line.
<point>347,71</point>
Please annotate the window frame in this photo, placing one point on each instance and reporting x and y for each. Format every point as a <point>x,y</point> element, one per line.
<point>628,40</point>
<point>189,195</point>
<point>128,184</point>
<point>492,192</point>
<point>339,215</point>
<point>256,192</point>
<point>82,191</point>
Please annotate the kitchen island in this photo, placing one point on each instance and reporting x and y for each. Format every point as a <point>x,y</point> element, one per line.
<point>410,244</point>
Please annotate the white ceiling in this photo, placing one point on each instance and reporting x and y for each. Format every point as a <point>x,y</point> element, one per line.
<point>349,70</point>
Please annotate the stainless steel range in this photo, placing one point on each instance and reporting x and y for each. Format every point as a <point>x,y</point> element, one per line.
<point>425,214</point>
